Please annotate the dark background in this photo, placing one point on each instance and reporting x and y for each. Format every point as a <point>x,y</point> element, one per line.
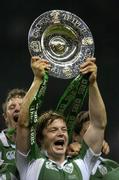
<point>102,17</point>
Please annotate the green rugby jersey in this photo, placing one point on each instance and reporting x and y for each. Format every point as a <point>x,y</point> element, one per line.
<point>43,168</point>
<point>8,170</point>
<point>112,175</point>
<point>102,169</point>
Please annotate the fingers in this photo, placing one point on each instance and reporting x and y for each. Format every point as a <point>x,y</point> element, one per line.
<point>37,62</point>
<point>37,58</point>
<point>88,69</point>
<point>73,153</point>
<point>73,149</point>
<point>88,61</point>
<point>105,148</point>
<point>88,66</point>
<point>39,66</point>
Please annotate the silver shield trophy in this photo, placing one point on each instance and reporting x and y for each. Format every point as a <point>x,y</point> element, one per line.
<point>63,39</point>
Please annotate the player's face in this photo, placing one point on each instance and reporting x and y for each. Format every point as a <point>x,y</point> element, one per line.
<point>78,137</point>
<point>12,111</point>
<point>55,139</point>
<point>84,128</point>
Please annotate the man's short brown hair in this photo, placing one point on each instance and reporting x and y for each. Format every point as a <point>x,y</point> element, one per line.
<point>81,118</point>
<point>44,120</point>
<point>11,94</point>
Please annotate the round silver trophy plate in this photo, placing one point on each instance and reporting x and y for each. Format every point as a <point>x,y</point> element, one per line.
<point>63,39</point>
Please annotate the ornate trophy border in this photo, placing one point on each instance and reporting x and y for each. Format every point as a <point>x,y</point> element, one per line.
<point>43,35</point>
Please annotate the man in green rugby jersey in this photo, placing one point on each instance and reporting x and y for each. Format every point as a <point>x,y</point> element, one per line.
<point>52,136</point>
<point>104,167</point>
<point>11,108</point>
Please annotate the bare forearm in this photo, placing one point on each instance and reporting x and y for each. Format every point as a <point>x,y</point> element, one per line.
<point>97,107</point>
<point>38,66</point>
<point>24,112</point>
